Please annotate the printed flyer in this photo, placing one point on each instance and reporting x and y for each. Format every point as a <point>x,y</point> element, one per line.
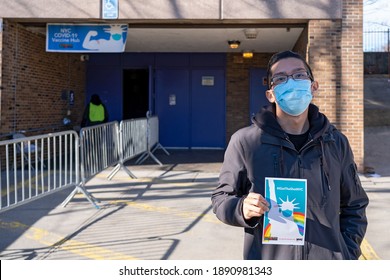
<point>285,222</point>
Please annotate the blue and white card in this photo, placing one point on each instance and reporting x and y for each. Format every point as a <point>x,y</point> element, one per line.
<point>285,222</point>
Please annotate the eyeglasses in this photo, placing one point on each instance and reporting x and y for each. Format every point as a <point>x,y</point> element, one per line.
<point>282,79</point>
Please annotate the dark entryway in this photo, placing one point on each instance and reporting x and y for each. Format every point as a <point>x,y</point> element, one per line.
<point>135,93</point>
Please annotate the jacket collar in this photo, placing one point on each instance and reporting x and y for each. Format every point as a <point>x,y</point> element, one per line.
<point>266,120</point>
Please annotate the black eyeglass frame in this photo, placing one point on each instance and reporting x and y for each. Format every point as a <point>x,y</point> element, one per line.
<point>309,77</point>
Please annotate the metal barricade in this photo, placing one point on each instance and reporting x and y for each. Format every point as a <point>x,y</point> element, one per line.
<point>152,140</point>
<point>37,165</point>
<point>132,139</point>
<point>99,146</point>
<point>34,166</point>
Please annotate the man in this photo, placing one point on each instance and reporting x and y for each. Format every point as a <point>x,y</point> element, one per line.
<point>95,113</point>
<point>292,139</point>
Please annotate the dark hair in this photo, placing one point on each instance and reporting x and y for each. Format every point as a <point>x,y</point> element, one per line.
<point>95,99</point>
<point>282,55</point>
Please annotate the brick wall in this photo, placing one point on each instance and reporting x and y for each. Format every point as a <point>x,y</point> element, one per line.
<point>1,66</point>
<point>352,83</point>
<point>336,56</point>
<point>237,89</point>
<point>33,80</point>
<point>301,45</point>
<point>324,57</point>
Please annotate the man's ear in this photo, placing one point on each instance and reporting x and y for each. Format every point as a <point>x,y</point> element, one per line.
<point>270,95</point>
<point>314,86</point>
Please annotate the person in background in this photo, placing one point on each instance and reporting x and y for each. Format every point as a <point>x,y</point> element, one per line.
<point>95,112</point>
<point>291,139</point>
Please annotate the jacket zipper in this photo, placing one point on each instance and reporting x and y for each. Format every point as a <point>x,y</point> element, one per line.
<point>300,168</point>
<point>301,251</point>
<point>304,146</point>
<point>307,144</point>
<point>325,181</point>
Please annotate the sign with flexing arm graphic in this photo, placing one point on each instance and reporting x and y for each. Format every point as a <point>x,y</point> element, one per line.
<point>86,38</point>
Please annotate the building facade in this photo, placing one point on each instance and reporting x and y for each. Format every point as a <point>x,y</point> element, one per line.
<point>177,63</point>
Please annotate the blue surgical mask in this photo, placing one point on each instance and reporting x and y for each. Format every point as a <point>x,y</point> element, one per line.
<point>116,37</point>
<point>293,97</point>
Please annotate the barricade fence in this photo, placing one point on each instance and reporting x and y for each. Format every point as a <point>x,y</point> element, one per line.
<point>133,137</point>
<point>36,165</point>
<point>152,141</point>
<point>99,147</point>
<point>132,141</point>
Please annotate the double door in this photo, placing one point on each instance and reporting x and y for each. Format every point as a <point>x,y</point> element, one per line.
<point>190,104</point>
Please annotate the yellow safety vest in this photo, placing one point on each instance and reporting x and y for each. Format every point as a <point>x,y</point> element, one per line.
<point>96,112</point>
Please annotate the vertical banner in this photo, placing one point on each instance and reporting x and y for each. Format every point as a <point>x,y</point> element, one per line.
<point>110,9</point>
<point>86,38</point>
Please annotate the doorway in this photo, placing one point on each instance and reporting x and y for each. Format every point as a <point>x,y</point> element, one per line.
<point>190,104</point>
<point>135,93</point>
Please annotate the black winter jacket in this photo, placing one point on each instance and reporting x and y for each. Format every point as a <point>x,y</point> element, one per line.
<point>336,202</point>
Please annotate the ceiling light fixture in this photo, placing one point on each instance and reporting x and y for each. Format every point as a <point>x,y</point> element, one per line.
<point>234,44</point>
<point>247,54</point>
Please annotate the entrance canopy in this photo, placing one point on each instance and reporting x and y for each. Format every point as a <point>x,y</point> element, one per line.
<point>211,39</point>
<point>200,38</point>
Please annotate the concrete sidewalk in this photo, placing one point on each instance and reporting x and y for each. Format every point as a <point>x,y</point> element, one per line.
<point>163,214</point>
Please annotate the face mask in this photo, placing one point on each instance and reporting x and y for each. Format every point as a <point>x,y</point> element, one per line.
<point>293,97</point>
<point>116,37</point>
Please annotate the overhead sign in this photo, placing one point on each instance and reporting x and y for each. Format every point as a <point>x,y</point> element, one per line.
<point>86,38</point>
<point>110,9</point>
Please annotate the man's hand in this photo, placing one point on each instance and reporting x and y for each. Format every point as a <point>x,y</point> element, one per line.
<point>254,205</point>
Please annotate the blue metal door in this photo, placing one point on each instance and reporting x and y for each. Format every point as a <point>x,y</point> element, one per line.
<point>208,109</point>
<point>258,87</point>
<point>172,107</point>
